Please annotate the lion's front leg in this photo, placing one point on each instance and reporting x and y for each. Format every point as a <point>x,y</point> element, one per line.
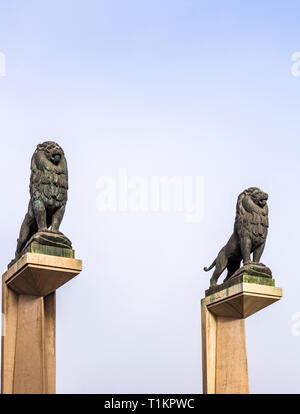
<point>57,219</point>
<point>258,253</point>
<point>40,214</point>
<point>246,245</point>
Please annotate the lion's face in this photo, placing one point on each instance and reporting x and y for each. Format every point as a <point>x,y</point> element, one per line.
<point>53,151</point>
<point>258,196</point>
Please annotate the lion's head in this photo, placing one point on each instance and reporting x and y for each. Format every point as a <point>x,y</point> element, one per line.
<point>52,150</point>
<point>258,196</point>
<point>252,213</point>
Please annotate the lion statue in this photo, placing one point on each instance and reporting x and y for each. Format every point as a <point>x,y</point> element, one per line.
<point>249,235</point>
<point>48,193</point>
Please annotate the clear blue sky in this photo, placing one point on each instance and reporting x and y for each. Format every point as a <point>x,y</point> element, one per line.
<point>160,88</point>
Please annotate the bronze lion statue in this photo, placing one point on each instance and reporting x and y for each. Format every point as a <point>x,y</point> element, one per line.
<point>48,193</point>
<point>249,235</point>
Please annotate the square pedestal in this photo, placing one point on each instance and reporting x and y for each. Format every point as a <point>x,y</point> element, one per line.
<point>28,304</point>
<point>224,355</point>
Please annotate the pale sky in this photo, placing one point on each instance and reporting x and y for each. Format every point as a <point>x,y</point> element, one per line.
<point>160,88</point>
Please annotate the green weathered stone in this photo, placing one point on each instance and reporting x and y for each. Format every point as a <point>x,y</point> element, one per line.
<point>35,247</point>
<point>243,278</point>
<point>259,280</point>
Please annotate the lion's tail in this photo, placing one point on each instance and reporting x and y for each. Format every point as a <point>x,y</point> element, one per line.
<point>207,269</point>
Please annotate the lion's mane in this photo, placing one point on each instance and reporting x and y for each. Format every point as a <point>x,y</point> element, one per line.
<point>251,218</point>
<point>49,181</point>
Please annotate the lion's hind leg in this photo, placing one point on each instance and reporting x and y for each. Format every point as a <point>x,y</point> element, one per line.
<point>232,267</point>
<point>28,229</point>
<point>221,263</point>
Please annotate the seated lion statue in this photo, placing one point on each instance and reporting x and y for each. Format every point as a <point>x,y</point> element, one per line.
<point>48,193</point>
<point>249,235</point>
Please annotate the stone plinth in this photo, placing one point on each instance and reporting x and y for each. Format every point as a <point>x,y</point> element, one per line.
<point>28,305</point>
<point>46,242</point>
<point>224,355</point>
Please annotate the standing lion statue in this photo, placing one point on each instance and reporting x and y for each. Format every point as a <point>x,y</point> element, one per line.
<point>48,193</point>
<point>249,235</point>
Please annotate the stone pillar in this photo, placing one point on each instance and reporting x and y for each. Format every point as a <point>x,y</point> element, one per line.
<point>28,305</point>
<point>224,309</point>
